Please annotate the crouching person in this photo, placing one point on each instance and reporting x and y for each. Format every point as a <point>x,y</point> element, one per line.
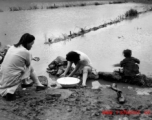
<point>17,66</point>
<point>82,65</point>
<point>130,68</point>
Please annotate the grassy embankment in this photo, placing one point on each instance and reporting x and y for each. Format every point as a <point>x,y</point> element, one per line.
<point>131,14</point>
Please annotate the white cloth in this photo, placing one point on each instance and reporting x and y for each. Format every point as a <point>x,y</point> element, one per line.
<point>14,69</point>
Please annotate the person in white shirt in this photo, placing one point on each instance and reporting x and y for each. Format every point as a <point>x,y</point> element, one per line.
<point>82,63</point>
<point>16,67</point>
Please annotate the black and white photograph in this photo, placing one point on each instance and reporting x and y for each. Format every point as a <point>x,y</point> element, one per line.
<point>75,60</point>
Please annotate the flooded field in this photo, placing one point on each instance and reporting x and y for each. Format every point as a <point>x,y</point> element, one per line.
<point>104,46</point>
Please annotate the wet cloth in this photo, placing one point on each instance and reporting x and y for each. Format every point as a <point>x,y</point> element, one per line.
<point>130,66</point>
<point>14,69</point>
<point>58,66</point>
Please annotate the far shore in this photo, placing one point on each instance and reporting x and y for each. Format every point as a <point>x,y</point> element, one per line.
<point>34,4</point>
<point>18,5</point>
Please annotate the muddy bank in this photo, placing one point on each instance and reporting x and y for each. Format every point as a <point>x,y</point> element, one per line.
<point>75,104</point>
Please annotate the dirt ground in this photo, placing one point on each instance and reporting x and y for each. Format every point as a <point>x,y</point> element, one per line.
<point>75,104</point>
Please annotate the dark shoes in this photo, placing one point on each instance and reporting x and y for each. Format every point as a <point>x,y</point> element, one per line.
<point>9,97</point>
<point>114,87</point>
<point>120,97</point>
<point>27,85</point>
<point>39,88</point>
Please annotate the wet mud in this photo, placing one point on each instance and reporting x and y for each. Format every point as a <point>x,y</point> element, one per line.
<point>75,104</point>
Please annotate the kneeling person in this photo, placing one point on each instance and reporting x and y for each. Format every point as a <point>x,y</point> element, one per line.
<point>82,64</point>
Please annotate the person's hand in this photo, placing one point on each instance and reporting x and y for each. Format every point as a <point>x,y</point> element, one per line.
<point>62,75</point>
<point>36,59</point>
<point>69,75</point>
<point>116,65</point>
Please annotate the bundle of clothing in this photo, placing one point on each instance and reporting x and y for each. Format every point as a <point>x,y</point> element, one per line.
<point>58,66</point>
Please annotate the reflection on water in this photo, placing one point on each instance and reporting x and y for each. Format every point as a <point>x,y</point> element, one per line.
<point>104,46</point>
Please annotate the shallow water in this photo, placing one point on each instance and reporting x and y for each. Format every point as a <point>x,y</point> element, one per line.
<point>104,46</point>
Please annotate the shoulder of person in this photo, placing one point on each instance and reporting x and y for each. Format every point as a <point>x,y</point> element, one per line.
<point>77,51</point>
<point>123,60</point>
<point>83,56</point>
<point>24,51</point>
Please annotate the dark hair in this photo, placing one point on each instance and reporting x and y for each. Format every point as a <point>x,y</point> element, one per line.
<point>73,57</point>
<point>25,39</point>
<point>127,53</point>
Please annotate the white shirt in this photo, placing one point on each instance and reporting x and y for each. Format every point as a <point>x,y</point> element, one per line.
<point>14,64</point>
<point>84,59</point>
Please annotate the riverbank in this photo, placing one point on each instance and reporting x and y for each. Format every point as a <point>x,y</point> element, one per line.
<point>80,103</point>
<point>51,4</point>
<point>32,5</point>
<point>75,104</point>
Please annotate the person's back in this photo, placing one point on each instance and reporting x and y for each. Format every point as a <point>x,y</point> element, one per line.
<point>85,60</point>
<point>16,58</point>
<point>130,66</point>
<point>14,63</point>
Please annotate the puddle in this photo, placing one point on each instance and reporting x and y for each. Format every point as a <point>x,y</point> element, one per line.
<point>143,91</point>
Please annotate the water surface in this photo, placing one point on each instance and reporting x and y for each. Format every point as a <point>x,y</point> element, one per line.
<point>104,46</point>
